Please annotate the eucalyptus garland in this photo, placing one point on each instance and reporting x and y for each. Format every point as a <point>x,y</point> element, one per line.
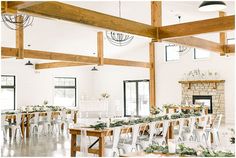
<point>187,151</point>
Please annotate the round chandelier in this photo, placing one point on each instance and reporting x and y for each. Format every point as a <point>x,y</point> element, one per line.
<point>13,23</point>
<point>118,38</point>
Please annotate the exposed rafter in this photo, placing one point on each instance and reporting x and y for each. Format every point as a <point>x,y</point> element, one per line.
<point>36,54</point>
<point>197,27</point>
<point>58,65</point>
<point>100,48</point>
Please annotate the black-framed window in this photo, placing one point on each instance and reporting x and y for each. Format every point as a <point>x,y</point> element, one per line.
<point>171,52</point>
<point>8,92</point>
<point>201,53</point>
<point>136,98</point>
<point>231,41</point>
<point>65,91</point>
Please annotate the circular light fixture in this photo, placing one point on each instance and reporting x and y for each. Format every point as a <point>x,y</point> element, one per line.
<point>11,21</point>
<point>208,6</point>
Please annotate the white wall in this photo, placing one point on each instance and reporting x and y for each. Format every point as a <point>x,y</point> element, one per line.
<point>168,90</point>
<point>33,87</point>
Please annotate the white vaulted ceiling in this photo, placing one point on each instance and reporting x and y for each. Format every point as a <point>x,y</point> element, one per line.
<point>67,37</point>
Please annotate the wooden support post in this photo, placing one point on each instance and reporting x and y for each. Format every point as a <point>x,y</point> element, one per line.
<point>152,75</point>
<point>100,48</point>
<point>156,20</point>
<point>20,37</point>
<point>223,36</point>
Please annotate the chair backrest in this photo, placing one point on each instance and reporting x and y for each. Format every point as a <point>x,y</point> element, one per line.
<point>18,118</point>
<point>116,137</point>
<point>152,130</point>
<point>49,116</point>
<point>63,115</point>
<point>192,124</point>
<point>72,114</point>
<point>206,120</point>
<point>36,117</point>
<point>3,118</point>
<point>181,125</point>
<point>217,121</point>
<point>135,133</point>
<point>165,128</point>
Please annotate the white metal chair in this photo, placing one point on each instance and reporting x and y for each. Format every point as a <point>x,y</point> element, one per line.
<point>131,145</point>
<point>34,123</point>
<point>178,135</point>
<point>161,140</point>
<point>47,127</point>
<point>112,149</point>
<point>16,126</point>
<point>63,121</point>
<point>215,129</point>
<point>188,134</point>
<point>144,143</point>
<point>201,134</point>
<point>4,126</point>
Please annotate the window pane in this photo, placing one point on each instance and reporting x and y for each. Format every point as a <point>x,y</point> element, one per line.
<point>201,53</point>
<point>130,98</point>
<point>143,96</point>
<point>64,81</point>
<point>64,97</point>
<point>231,41</point>
<point>172,53</point>
<point>7,98</point>
<point>7,80</point>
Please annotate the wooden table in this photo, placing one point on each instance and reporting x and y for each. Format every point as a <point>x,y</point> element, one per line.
<point>106,132</point>
<point>28,116</point>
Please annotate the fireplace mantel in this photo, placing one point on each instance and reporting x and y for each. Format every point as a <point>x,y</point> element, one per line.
<point>189,82</point>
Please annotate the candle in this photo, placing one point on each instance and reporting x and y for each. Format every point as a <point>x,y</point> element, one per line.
<point>171,145</point>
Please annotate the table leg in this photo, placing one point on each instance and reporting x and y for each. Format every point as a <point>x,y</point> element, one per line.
<point>101,146</point>
<point>23,125</point>
<point>171,131</point>
<point>75,118</point>
<point>10,133</point>
<point>73,145</point>
<point>28,125</point>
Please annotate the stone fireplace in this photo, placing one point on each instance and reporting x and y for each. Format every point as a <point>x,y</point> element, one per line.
<point>209,92</point>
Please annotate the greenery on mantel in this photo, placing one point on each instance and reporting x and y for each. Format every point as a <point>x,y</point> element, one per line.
<point>183,150</point>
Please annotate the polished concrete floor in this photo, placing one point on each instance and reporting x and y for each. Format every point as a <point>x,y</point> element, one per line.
<point>56,145</point>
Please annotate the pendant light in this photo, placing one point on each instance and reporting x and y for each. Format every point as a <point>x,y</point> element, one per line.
<point>212,6</point>
<point>29,63</point>
<point>94,69</point>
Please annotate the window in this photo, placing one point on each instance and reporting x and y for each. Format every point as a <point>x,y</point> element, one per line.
<point>8,92</point>
<point>136,98</point>
<point>172,52</point>
<point>231,41</point>
<point>65,91</point>
<point>201,53</point>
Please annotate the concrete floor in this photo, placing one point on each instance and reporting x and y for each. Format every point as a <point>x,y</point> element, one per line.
<point>56,145</point>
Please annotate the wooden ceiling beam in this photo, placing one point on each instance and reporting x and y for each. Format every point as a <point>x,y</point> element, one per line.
<point>36,54</point>
<point>76,14</point>
<point>22,4</point>
<point>229,48</point>
<point>197,27</point>
<point>58,65</point>
<point>196,42</point>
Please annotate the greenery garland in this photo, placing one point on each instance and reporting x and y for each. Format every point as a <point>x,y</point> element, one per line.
<point>187,151</point>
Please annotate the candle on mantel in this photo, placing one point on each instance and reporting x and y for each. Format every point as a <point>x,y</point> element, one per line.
<point>171,145</point>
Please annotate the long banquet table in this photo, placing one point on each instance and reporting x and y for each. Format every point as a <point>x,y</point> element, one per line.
<point>101,134</point>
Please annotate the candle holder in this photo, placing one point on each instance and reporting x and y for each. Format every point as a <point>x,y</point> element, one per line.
<point>171,146</point>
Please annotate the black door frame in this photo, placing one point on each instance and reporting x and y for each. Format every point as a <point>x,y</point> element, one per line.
<point>137,100</point>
